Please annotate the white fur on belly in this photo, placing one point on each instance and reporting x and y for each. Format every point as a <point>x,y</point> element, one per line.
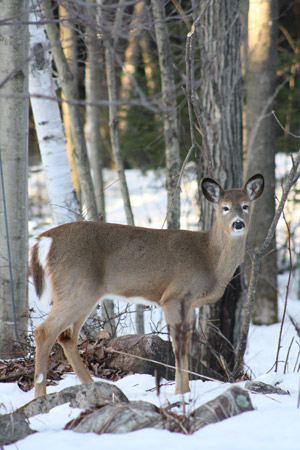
<point>135,300</point>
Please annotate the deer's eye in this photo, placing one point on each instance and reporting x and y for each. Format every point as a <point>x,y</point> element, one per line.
<point>225,209</point>
<point>245,207</point>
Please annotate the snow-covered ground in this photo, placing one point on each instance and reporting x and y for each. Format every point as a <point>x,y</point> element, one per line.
<point>275,422</point>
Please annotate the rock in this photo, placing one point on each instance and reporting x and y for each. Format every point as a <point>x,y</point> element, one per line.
<point>121,418</point>
<point>85,396</point>
<point>263,388</point>
<point>93,395</point>
<point>135,348</point>
<point>234,401</point>
<point>13,427</point>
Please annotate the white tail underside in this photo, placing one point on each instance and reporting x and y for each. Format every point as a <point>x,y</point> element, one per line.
<point>44,246</point>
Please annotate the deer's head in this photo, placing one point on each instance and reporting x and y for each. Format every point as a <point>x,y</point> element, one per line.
<point>233,206</point>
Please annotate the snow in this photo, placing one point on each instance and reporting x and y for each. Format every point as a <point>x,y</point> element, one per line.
<point>275,422</point>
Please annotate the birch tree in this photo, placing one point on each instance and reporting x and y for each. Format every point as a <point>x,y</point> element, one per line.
<point>260,87</point>
<point>49,128</point>
<point>67,84</point>
<point>13,175</point>
<point>170,121</point>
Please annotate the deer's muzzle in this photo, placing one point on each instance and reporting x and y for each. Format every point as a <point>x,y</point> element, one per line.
<point>238,228</point>
<point>238,225</point>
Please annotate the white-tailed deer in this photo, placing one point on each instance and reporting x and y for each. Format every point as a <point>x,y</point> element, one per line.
<point>76,264</point>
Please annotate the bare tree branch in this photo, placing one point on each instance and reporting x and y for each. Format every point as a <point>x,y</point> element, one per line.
<point>256,258</point>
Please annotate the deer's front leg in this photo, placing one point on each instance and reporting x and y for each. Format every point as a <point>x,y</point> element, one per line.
<point>177,316</point>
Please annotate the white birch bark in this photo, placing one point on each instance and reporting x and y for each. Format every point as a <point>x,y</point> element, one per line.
<point>14,156</point>
<point>68,87</point>
<point>49,128</point>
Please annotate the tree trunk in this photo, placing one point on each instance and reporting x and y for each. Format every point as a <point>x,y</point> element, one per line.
<point>13,176</point>
<point>110,46</point>
<point>148,63</point>
<point>131,58</point>
<point>261,77</point>
<point>221,107</point>
<point>49,128</point>
<point>170,121</point>
<point>115,143</point>
<point>114,132</point>
<point>94,92</point>
<point>69,90</point>
<point>67,35</point>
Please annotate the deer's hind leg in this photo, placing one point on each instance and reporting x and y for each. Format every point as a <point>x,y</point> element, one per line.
<point>45,337</point>
<point>68,339</point>
<point>62,325</point>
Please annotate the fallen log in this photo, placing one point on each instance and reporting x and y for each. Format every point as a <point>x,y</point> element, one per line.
<point>133,416</point>
<point>107,410</point>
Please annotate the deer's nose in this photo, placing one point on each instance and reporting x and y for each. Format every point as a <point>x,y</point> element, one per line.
<point>238,225</point>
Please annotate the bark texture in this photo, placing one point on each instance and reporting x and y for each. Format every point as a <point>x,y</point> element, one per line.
<point>133,416</point>
<point>220,102</point>
<point>261,77</point>
<point>170,120</point>
<point>114,131</point>
<point>67,35</point>
<point>107,410</point>
<point>14,156</point>
<point>94,92</point>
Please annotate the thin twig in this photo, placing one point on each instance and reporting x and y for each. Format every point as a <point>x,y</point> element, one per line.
<point>297,359</point>
<point>287,355</point>
<point>286,293</point>
<point>282,127</point>
<point>169,366</point>
<point>256,260</point>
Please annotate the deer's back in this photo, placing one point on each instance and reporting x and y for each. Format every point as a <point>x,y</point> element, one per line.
<point>131,261</point>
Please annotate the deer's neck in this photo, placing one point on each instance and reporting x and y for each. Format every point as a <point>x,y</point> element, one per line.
<point>227,252</point>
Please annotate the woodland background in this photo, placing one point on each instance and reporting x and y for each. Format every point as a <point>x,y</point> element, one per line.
<point>208,86</point>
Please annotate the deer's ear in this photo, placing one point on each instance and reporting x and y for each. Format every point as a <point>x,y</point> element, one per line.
<point>212,190</point>
<point>255,186</point>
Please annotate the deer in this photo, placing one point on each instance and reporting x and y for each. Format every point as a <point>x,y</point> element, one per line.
<point>77,264</point>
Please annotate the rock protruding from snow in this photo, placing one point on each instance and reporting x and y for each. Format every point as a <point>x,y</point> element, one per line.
<point>84,396</point>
